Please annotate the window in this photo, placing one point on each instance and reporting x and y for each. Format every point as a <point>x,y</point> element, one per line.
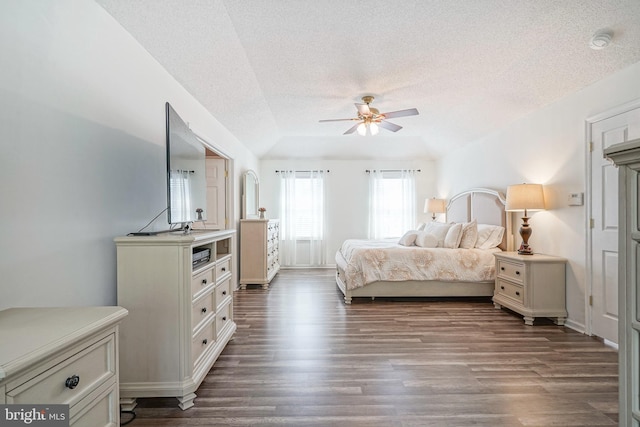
<point>392,208</point>
<point>302,209</point>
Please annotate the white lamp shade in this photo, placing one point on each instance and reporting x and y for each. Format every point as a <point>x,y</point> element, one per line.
<point>434,206</point>
<point>522,197</point>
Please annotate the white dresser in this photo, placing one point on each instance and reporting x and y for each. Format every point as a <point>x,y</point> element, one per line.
<point>259,251</point>
<point>626,156</point>
<point>180,315</point>
<point>532,285</point>
<point>63,356</point>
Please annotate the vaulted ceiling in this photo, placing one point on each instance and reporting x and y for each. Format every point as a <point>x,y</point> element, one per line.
<point>269,70</point>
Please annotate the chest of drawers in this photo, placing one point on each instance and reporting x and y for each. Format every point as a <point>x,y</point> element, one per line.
<point>180,315</point>
<point>532,285</point>
<point>259,251</point>
<point>63,356</point>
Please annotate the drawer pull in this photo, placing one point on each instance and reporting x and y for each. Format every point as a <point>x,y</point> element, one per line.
<point>502,287</point>
<point>205,341</point>
<point>517,273</point>
<point>517,293</point>
<point>72,382</point>
<point>502,268</point>
<point>204,282</point>
<point>224,292</point>
<point>223,269</point>
<point>224,319</point>
<point>204,309</point>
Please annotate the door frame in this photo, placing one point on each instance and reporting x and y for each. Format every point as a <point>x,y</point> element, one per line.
<point>607,114</point>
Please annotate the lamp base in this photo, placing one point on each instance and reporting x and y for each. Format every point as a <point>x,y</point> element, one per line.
<point>525,249</point>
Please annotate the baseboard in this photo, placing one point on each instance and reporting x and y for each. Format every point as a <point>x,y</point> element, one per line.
<point>579,327</point>
<point>308,267</point>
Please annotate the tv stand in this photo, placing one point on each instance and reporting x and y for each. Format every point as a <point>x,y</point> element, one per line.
<point>180,315</point>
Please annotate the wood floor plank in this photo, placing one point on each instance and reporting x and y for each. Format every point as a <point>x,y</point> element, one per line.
<point>301,357</point>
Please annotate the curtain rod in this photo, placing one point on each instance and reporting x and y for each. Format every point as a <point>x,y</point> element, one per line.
<point>394,170</point>
<point>277,171</point>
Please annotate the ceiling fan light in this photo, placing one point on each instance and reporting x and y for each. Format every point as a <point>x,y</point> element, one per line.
<point>373,128</point>
<point>362,129</point>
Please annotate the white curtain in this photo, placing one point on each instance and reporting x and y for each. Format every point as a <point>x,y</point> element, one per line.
<point>302,218</point>
<point>392,203</point>
<point>180,182</point>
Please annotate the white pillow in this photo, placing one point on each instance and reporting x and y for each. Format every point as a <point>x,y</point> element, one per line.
<point>420,226</point>
<point>452,239</point>
<point>409,238</point>
<point>469,235</point>
<point>426,240</point>
<point>439,230</point>
<point>489,236</point>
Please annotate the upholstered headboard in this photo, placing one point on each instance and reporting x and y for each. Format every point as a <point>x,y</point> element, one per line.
<point>485,206</point>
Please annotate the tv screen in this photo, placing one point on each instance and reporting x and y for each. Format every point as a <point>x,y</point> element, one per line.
<point>186,176</point>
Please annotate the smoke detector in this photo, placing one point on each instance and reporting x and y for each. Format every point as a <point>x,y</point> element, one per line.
<point>600,39</point>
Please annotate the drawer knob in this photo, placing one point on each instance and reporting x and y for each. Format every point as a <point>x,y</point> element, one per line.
<point>224,292</point>
<point>517,293</point>
<point>224,319</point>
<point>502,287</point>
<point>205,341</point>
<point>223,269</point>
<point>72,382</point>
<point>204,282</point>
<point>502,268</point>
<point>204,309</point>
<point>517,273</point>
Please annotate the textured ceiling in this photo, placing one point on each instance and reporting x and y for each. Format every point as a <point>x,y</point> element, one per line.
<point>269,70</point>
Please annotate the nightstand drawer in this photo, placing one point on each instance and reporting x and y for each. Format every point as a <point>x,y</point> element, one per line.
<point>510,270</point>
<point>511,290</point>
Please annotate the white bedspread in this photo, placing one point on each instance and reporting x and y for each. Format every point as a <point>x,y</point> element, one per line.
<point>367,261</point>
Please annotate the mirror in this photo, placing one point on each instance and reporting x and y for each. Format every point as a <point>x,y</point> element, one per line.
<point>250,195</point>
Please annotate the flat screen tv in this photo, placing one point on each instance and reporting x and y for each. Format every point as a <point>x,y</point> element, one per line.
<point>186,176</point>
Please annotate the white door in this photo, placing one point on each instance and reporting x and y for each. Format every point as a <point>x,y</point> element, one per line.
<point>216,193</point>
<point>604,213</point>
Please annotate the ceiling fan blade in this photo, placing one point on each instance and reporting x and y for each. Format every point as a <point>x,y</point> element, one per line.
<point>389,126</point>
<point>352,129</point>
<point>363,109</point>
<point>401,113</point>
<point>337,120</point>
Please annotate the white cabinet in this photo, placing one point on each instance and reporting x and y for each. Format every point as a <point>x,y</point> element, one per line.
<point>532,285</point>
<point>178,290</point>
<point>62,356</point>
<point>259,251</point>
<point>626,155</point>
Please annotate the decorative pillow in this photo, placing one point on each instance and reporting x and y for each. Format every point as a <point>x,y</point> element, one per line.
<point>489,236</point>
<point>469,235</point>
<point>439,230</point>
<point>420,226</point>
<point>409,238</point>
<point>453,236</point>
<point>426,240</point>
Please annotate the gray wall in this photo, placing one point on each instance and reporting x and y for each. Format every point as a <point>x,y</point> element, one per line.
<point>82,133</point>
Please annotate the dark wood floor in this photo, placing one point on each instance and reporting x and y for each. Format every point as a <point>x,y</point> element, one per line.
<point>301,357</point>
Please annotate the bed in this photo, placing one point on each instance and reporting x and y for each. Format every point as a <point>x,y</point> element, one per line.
<point>486,206</point>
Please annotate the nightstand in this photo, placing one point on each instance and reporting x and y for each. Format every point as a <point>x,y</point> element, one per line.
<point>532,285</point>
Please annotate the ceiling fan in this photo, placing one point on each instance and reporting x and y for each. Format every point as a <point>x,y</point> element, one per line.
<point>370,118</point>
